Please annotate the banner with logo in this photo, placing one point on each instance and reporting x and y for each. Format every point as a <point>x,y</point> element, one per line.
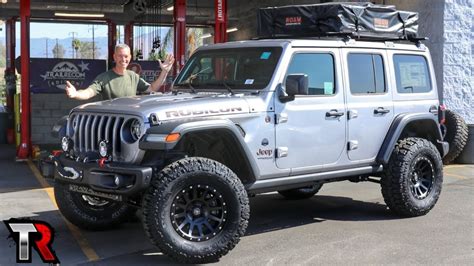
<point>50,75</point>
<point>149,71</point>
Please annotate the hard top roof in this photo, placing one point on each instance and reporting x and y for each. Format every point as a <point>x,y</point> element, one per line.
<point>332,42</point>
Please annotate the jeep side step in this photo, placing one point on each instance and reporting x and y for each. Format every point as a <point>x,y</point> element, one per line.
<point>289,182</point>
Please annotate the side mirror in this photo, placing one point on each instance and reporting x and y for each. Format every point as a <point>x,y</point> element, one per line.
<point>296,84</point>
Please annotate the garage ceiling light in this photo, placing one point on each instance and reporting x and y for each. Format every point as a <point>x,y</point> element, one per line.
<point>171,8</point>
<point>82,15</point>
<point>206,35</point>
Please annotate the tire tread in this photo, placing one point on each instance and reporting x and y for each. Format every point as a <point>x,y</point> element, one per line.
<point>394,188</point>
<point>95,221</point>
<point>456,135</point>
<point>158,193</point>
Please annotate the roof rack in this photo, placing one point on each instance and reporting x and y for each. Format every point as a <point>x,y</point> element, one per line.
<point>346,36</point>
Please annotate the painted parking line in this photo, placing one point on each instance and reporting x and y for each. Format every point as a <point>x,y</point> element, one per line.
<point>455,176</point>
<point>13,189</point>
<point>468,167</point>
<point>76,233</point>
<point>457,166</point>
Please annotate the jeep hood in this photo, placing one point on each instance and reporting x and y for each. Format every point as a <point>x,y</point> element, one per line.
<point>169,107</point>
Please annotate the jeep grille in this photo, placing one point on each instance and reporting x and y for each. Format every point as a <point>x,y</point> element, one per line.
<point>88,129</point>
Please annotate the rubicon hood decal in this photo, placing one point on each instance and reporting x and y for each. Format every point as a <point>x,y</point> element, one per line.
<point>172,106</point>
<point>193,112</point>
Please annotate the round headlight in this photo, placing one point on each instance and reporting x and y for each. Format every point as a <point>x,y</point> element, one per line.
<point>136,129</point>
<point>103,148</point>
<point>65,143</point>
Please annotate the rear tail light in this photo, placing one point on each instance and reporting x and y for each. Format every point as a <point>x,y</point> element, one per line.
<point>441,114</point>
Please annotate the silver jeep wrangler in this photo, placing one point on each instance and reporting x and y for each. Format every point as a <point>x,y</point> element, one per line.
<point>250,117</point>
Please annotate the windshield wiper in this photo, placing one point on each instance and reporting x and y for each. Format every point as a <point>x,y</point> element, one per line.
<point>193,90</point>
<point>228,87</point>
<point>191,77</point>
<point>188,83</point>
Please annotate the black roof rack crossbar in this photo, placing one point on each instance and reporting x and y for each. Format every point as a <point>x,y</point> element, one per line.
<point>345,35</point>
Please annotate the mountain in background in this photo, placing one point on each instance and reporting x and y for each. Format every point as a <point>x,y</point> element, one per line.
<point>38,47</point>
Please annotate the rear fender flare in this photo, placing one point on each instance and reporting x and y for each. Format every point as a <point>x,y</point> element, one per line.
<point>398,126</point>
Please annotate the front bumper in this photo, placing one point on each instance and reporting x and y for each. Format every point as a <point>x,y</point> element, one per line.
<point>112,178</point>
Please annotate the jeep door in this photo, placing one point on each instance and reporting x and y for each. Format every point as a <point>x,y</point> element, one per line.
<point>311,129</point>
<point>369,101</point>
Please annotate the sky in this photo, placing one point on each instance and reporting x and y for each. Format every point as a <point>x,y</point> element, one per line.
<point>64,30</point>
<point>60,31</point>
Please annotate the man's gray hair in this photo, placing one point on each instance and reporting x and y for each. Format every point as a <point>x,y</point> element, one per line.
<point>121,46</point>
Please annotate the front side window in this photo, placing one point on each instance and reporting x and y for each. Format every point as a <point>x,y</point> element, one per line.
<point>320,70</point>
<point>412,74</point>
<point>237,68</point>
<point>366,73</point>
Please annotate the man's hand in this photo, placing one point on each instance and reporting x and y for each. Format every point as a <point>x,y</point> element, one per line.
<point>165,68</point>
<point>71,90</point>
<point>167,64</point>
<point>73,93</point>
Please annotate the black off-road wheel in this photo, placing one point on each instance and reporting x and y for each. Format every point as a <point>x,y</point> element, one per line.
<point>301,193</point>
<point>89,212</point>
<point>196,210</point>
<point>412,181</point>
<point>456,135</point>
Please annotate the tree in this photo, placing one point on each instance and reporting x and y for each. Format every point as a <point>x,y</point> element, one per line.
<point>86,51</point>
<point>194,40</point>
<point>58,51</point>
<point>76,44</point>
<point>161,53</point>
<point>2,55</point>
<point>153,56</point>
<point>167,43</point>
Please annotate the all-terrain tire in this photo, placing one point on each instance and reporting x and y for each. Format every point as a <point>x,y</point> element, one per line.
<point>301,193</point>
<point>186,195</point>
<point>456,135</point>
<point>86,215</point>
<point>412,180</point>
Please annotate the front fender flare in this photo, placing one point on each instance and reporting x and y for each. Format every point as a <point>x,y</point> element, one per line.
<point>59,128</point>
<point>154,139</point>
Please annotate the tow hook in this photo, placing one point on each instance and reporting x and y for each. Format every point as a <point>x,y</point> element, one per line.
<point>66,172</point>
<point>102,162</point>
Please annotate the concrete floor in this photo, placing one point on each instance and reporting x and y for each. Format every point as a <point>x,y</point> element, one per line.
<point>345,223</point>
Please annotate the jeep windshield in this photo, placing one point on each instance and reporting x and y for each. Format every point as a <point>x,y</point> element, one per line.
<point>249,68</point>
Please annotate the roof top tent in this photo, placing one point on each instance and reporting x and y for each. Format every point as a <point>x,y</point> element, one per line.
<point>358,20</point>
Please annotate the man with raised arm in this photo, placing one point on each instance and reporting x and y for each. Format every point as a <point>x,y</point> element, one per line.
<point>120,82</point>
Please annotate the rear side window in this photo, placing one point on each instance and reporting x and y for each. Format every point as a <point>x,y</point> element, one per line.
<point>320,70</point>
<point>366,73</point>
<point>412,74</point>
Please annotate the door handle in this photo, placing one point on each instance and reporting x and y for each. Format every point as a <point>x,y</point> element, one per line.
<point>434,109</point>
<point>334,113</point>
<point>381,110</point>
